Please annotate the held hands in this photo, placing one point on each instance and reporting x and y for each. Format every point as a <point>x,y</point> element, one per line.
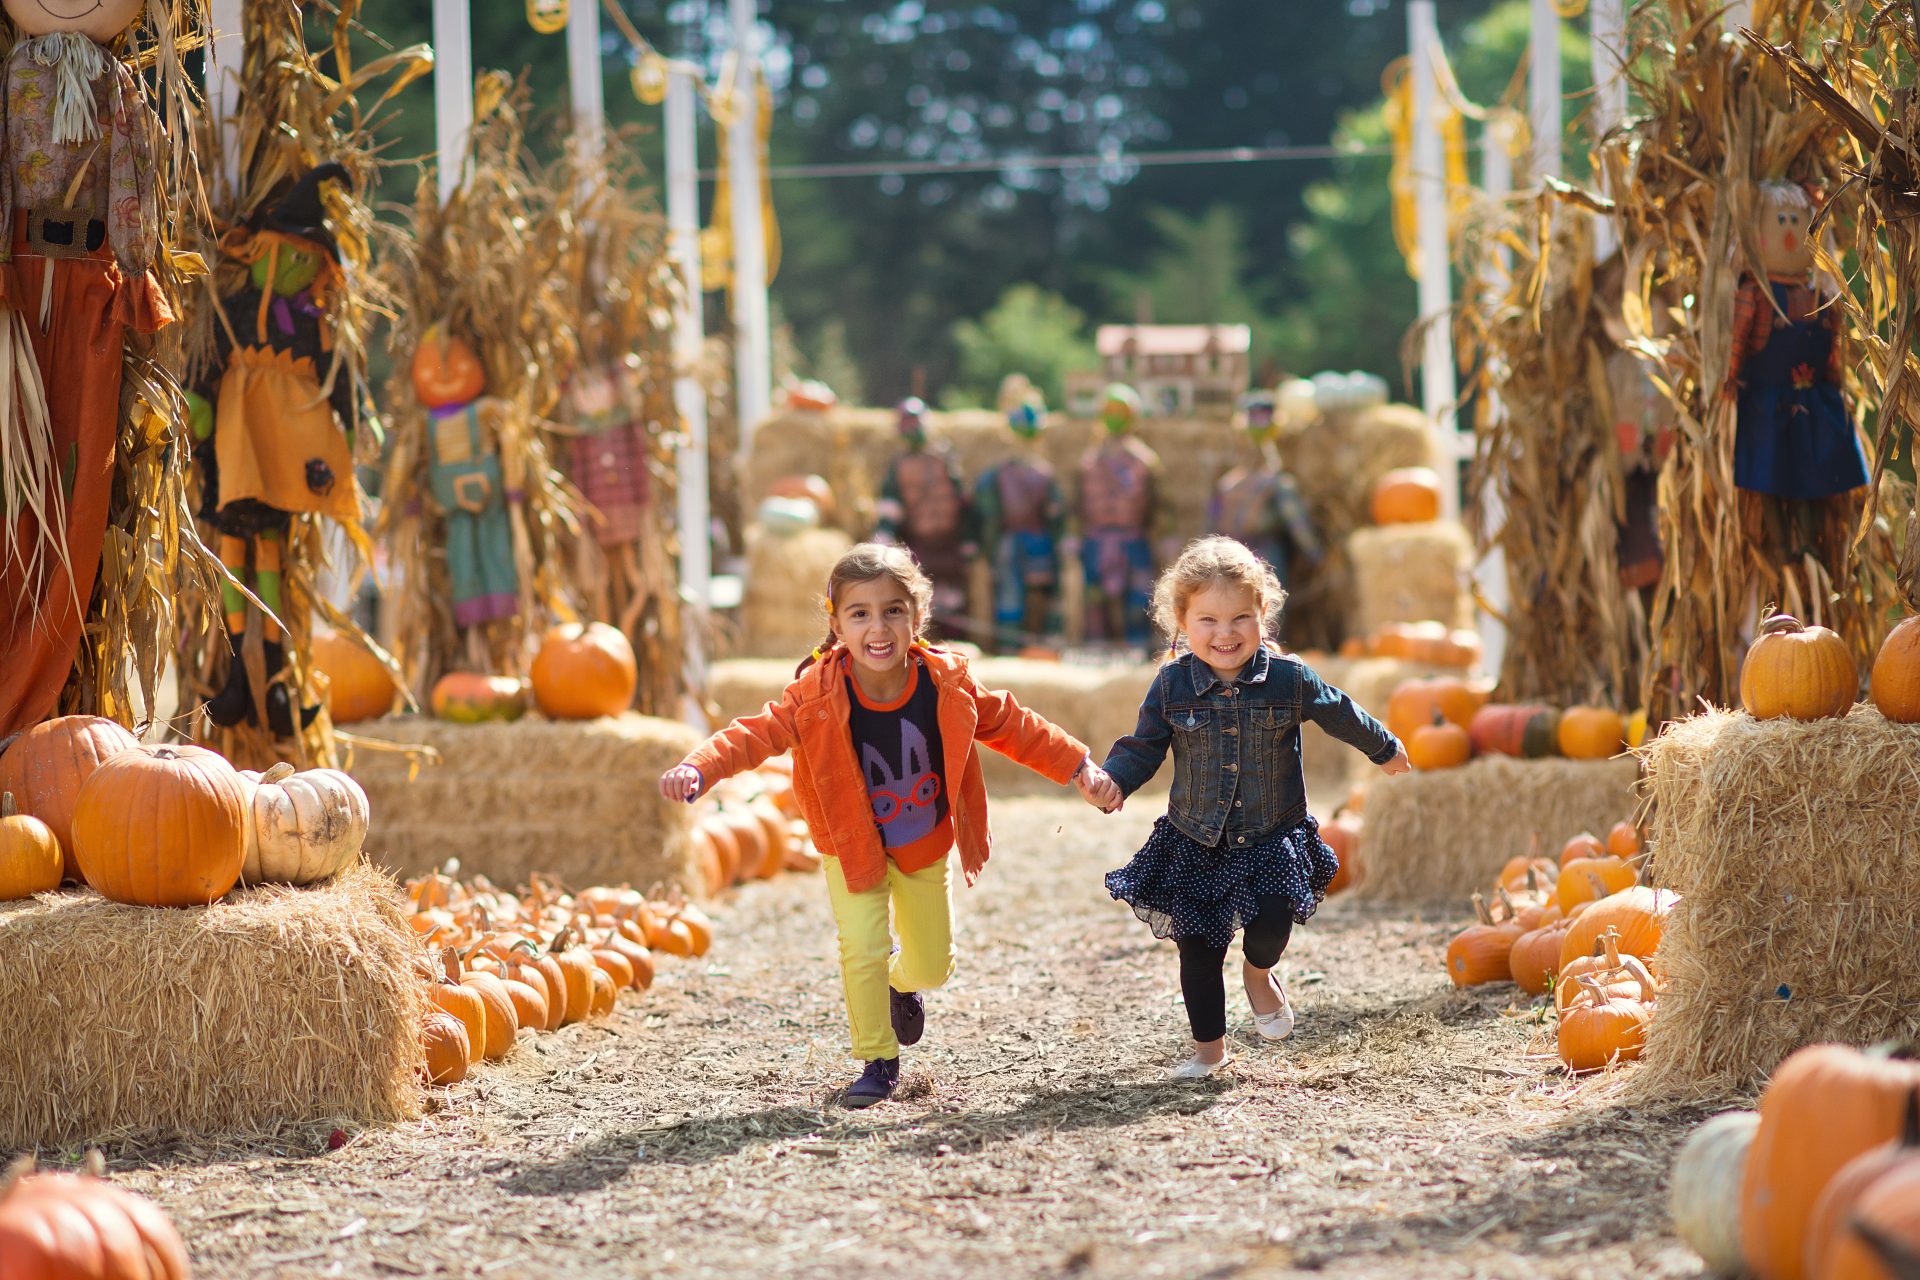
<point>682,782</point>
<point>1399,763</point>
<point>1098,788</point>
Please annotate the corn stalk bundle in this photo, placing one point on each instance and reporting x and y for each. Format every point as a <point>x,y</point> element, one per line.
<point>487,266</point>
<point>621,293</point>
<point>1718,118</point>
<point>292,117</point>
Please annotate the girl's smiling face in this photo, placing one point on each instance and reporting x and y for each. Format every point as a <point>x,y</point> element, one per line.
<point>1222,624</point>
<point>876,621</point>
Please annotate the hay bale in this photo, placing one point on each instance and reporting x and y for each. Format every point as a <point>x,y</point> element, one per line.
<point>786,579</point>
<point>574,800</point>
<point>1441,835</point>
<point>1794,848</point>
<point>274,1006</point>
<point>1410,573</point>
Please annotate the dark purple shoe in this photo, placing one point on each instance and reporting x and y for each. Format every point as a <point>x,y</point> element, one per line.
<point>909,1011</point>
<point>876,1083</point>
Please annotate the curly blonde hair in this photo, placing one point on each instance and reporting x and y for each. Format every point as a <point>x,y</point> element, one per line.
<point>1205,562</point>
<point>865,562</point>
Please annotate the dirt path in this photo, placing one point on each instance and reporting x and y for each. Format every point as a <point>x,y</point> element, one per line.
<point>1404,1130</point>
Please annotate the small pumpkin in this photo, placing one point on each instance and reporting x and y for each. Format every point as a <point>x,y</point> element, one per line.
<point>1342,835</point>
<point>1894,681</point>
<point>576,971</point>
<point>1440,745</point>
<point>1526,730</point>
<point>1480,953</point>
<point>1535,958</point>
<point>699,928</point>
<point>359,686</point>
<point>82,1226</point>
<point>302,827</point>
<point>1513,876</point>
<point>1601,1027</point>
<point>1623,840</point>
<point>1614,971</point>
<point>462,1002</point>
<point>503,1020</point>
<point>45,767</point>
<point>584,671</point>
<point>448,1047</point>
<point>1586,878</point>
<point>1884,1230</point>
<point>29,853</point>
<point>1591,733</point>
<point>1806,673</point>
<point>1703,1194</point>
<point>162,827</point>
<point>467,698</point>
<point>1406,495</point>
<point>1584,845</point>
<point>1414,703</point>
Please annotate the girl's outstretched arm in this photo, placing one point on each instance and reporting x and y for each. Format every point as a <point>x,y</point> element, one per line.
<point>1133,760</point>
<point>1342,717</point>
<point>737,748</point>
<point>1025,736</point>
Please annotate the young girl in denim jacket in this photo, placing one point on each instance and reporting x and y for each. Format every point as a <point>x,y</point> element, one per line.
<point>882,728</point>
<point>1237,849</point>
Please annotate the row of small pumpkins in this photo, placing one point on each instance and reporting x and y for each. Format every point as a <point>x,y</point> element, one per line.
<point>1446,721</point>
<point>582,671</point>
<point>749,828</point>
<point>1821,1183</point>
<point>1585,930</point>
<point>1808,673</point>
<point>81,1225</point>
<point>163,826</point>
<point>1434,644</point>
<point>499,964</point>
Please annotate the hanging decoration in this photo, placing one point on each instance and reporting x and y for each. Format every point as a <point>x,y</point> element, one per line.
<point>716,238</point>
<point>549,17</point>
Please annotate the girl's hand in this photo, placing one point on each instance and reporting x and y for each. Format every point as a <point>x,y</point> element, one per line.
<point>1399,763</point>
<point>682,782</point>
<point>1098,788</point>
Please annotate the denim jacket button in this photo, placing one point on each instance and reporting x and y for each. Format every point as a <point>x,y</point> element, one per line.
<point>1234,765</point>
<point>1243,839</point>
<point>1238,804</point>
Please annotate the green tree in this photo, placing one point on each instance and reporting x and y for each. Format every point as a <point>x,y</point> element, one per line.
<point>1029,330</point>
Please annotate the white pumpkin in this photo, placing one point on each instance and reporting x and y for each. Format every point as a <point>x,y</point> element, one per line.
<point>1704,1193</point>
<point>303,827</point>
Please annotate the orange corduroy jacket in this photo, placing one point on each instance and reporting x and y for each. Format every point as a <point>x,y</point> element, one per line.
<point>811,720</point>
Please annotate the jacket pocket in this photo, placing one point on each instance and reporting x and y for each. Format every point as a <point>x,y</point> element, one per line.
<point>1272,732</point>
<point>1196,757</point>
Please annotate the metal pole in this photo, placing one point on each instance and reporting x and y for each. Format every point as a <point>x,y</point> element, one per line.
<point>1739,14</point>
<point>1436,285</point>
<point>453,91</point>
<point>1490,571</point>
<point>225,56</point>
<point>583,73</point>
<point>753,356</point>
<point>689,341</point>
<point>1609,53</point>
<point>1544,91</point>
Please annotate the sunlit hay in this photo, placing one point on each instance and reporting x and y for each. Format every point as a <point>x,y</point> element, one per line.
<point>1410,573</point>
<point>573,800</point>
<point>782,614</point>
<point>1439,836</point>
<point>1794,850</point>
<point>274,1007</point>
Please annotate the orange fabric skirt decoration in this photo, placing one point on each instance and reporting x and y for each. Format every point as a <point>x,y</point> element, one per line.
<point>277,439</point>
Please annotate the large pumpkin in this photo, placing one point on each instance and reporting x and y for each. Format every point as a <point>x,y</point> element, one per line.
<point>584,671</point>
<point>1834,1248</point>
<point>1412,706</point>
<point>1806,673</point>
<point>1522,729</point>
<point>359,687</point>
<point>45,766</point>
<point>1894,683</point>
<point>60,1225</point>
<point>1481,953</point>
<point>1703,1192</point>
<point>1591,733</point>
<point>466,698</point>
<point>1639,914</point>
<point>162,827</point>
<point>1825,1105</point>
<point>1407,495</point>
<point>29,853</point>
<point>302,827</point>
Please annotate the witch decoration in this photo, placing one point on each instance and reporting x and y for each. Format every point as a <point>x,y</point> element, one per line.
<point>275,415</point>
<point>924,505</point>
<point>1023,516</point>
<point>1261,506</point>
<point>79,229</point>
<point>1116,523</point>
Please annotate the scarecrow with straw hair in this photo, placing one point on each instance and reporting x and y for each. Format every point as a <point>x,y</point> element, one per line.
<point>79,235</point>
<point>1261,506</point>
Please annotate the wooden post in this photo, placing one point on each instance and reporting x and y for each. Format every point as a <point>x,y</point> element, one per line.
<point>689,397</point>
<point>753,353</point>
<point>225,54</point>
<point>583,76</point>
<point>1544,91</point>
<point>1437,391</point>
<point>1609,56</point>
<point>453,91</point>
<point>1490,571</point>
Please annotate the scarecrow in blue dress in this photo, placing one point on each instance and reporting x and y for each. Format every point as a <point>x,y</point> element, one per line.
<point>1023,517</point>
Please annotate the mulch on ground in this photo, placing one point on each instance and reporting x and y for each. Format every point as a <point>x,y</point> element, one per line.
<point>1405,1129</point>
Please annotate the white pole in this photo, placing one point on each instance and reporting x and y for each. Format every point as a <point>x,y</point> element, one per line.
<point>753,356</point>
<point>583,73</point>
<point>452,91</point>
<point>1739,14</point>
<point>1544,92</point>
<point>225,55</point>
<point>689,340</point>
<point>1436,284</point>
<point>1609,53</point>
<point>1490,572</point>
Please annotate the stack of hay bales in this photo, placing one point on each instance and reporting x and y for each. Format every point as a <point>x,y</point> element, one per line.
<point>1410,573</point>
<point>1796,854</point>
<point>1441,835</point>
<point>572,800</point>
<point>780,612</point>
<point>274,1006</point>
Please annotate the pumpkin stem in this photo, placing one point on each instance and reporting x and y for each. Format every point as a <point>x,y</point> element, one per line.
<point>95,1163</point>
<point>1480,908</point>
<point>1507,902</point>
<point>450,957</point>
<point>1611,939</point>
<point>1900,1259</point>
<point>6,805</point>
<point>1780,622</point>
<point>280,772</point>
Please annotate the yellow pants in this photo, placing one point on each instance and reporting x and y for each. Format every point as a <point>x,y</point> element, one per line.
<point>922,916</point>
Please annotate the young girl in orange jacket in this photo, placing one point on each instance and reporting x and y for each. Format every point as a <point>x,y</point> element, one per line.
<point>882,728</point>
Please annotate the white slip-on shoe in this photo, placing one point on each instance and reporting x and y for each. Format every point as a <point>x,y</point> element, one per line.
<point>1194,1069</point>
<point>1277,1025</point>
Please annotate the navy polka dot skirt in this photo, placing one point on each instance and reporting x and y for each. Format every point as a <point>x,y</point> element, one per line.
<point>1183,889</point>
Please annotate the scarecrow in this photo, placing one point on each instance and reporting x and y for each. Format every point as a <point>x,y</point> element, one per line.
<point>469,478</point>
<point>1116,518</point>
<point>923,505</point>
<point>275,418</point>
<point>609,453</point>
<point>1023,517</point>
<point>79,230</point>
<point>1261,506</point>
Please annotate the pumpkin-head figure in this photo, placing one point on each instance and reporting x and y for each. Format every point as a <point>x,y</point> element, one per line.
<point>446,371</point>
<point>98,20</point>
<point>910,420</point>
<point>1786,218</point>
<point>1120,408</point>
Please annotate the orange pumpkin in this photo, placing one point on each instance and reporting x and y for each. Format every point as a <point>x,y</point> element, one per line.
<point>1584,879</point>
<point>448,1047</point>
<point>359,687</point>
<point>1481,953</point>
<point>1806,673</point>
<point>162,827</point>
<point>446,371</point>
<point>1342,835</point>
<point>1894,682</point>
<point>584,671</point>
<point>1407,495</point>
<point>1513,876</point>
<point>1623,840</point>
<point>1535,957</point>
<point>1591,733</point>
<point>29,853</point>
<point>502,1021</point>
<point>750,837</point>
<point>1413,705</point>
<point>463,1002</point>
<point>45,767</point>
<point>1601,1027</point>
<point>465,697</point>
<point>779,839</point>
<point>1883,1242</point>
<point>709,859</point>
<point>1526,730</point>
<point>1639,915</point>
<point>1617,972</point>
<point>60,1225</point>
<point>1834,1246</point>
<point>1440,745</point>
<point>1584,845</point>
<point>1825,1104</point>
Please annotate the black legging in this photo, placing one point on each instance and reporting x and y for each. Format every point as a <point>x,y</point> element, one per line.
<point>1200,982</point>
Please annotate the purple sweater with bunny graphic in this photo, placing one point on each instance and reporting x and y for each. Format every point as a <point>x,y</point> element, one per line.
<point>898,746</point>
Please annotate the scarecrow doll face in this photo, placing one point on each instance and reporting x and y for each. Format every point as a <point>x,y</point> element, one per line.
<point>1122,407</point>
<point>446,371</point>
<point>98,20</point>
<point>911,421</point>
<point>1786,216</point>
<point>292,266</point>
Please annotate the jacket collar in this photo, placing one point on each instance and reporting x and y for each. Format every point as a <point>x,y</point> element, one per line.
<point>1255,672</point>
<point>827,677</point>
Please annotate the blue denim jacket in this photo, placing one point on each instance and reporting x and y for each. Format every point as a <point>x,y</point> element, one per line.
<point>1236,747</point>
